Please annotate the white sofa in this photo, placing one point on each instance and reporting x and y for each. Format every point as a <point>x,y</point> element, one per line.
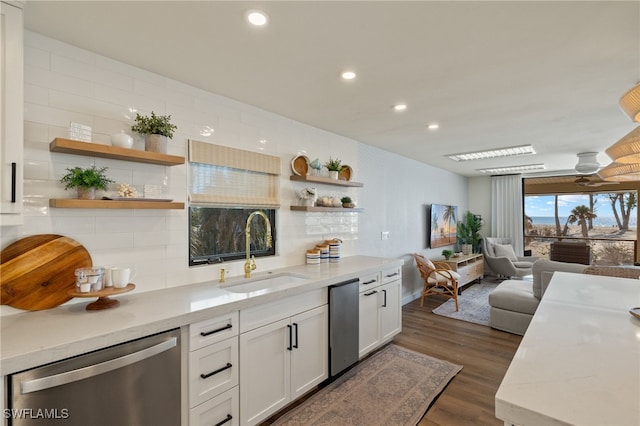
<point>513,303</point>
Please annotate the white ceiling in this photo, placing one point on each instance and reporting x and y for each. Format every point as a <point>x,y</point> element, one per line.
<point>493,74</point>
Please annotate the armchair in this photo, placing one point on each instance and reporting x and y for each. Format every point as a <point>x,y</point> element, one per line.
<point>438,279</point>
<point>499,255</point>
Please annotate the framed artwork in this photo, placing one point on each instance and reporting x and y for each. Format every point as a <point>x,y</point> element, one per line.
<point>443,225</point>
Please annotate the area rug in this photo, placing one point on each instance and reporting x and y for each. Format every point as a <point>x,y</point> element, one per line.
<point>394,386</point>
<point>473,304</point>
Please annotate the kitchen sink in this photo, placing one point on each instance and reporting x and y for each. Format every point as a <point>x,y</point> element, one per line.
<point>265,282</point>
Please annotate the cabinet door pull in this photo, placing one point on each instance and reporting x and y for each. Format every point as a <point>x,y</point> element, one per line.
<point>219,370</point>
<point>13,182</point>
<point>392,275</point>
<point>369,282</point>
<point>384,304</point>
<point>371,292</point>
<point>296,326</point>
<point>227,419</point>
<point>218,330</point>
<point>290,347</point>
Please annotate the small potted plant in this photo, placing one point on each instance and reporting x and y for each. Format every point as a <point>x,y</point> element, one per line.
<point>86,181</point>
<point>347,203</point>
<point>334,167</point>
<point>308,196</point>
<point>447,254</point>
<point>156,128</point>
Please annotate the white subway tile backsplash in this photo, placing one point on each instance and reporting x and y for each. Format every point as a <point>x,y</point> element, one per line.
<point>36,58</point>
<point>89,71</point>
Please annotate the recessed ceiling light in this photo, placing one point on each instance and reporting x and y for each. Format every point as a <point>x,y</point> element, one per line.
<point>400,107</point>
<point>348,75</point>
<point>513,169</point>
<point>433,126</point>
<point>257,17</point>
<point>493,153</point>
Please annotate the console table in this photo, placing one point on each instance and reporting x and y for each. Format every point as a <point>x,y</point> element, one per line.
<point>469,266</point>
<point>579,360</point>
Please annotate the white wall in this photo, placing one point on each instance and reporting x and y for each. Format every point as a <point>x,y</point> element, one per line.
<point>480,201</point>
<point>64,84</point>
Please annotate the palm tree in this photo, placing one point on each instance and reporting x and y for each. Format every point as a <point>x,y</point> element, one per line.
<point>582,214</point>
<point>448,216</point>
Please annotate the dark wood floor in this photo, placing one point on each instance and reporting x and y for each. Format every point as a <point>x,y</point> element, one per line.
<point>484,353</point>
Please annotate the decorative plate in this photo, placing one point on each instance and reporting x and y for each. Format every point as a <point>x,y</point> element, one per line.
<point>635,312</point>
<point>345,173</point>
<point>300,165</point>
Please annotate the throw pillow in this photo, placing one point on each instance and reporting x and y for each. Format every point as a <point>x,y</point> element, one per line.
<point>505,250</point>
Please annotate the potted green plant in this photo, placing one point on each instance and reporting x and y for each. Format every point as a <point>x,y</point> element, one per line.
<point>347,202</point>
<point>469,233</point>
<point>86,181</point>
<point>156,128</point>
<point>334,167</point>
<point>447,253</point>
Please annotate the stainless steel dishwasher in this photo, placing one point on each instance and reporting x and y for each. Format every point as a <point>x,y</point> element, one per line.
<point>134,383</point>
<point>343,326</point>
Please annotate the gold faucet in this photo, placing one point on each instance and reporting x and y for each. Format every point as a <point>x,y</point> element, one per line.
<point>250,263</point>
<point>222,275</point>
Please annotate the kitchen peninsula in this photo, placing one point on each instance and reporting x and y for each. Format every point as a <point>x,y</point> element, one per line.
<point>579,361</point>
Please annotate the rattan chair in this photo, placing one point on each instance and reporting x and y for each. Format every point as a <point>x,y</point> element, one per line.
<point>438,279</point>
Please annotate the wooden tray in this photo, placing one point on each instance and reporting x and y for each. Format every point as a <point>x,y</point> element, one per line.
<point>37,272</point>
<point>300,165</point>
<point>103,302</point>
<point>345,173</point>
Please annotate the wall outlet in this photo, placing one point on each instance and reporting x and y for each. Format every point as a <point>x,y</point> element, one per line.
<point>384,235</point>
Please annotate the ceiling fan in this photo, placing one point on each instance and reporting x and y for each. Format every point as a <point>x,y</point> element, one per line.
<point>588,165</point>
<point>591,181</point>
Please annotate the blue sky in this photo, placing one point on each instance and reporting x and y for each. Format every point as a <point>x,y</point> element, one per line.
<point>543,205</point>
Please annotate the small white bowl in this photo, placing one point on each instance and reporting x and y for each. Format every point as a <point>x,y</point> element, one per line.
<point>121,140</point>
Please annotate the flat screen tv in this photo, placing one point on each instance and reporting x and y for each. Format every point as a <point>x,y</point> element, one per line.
<point>442,228</point>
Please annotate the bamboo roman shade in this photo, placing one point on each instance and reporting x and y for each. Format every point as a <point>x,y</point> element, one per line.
<point>224,176</point>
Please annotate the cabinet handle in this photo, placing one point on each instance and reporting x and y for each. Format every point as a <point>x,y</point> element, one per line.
<point>290,347</point>
<point>369,282</point>
<point>227,419</point>
<point>209,333</point>
<point>384,304</point>
<point>296,326</point>
<point>392,275</point>
<point>13,182</point>
<point>371,292</point>
<point>219,370</point>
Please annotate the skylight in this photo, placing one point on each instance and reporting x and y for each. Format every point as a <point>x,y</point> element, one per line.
<point>493,153</point>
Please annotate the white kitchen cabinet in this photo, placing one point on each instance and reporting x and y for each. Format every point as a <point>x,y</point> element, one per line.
<point>380,316</point>
<point>281,361</point>
<point>11,113</point>
<point>214,371</point>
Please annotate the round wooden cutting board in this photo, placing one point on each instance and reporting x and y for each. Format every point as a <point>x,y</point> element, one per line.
<point>38,272</point>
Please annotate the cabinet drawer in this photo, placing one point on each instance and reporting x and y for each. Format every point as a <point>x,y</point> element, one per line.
<point>213,330</point>
<point>212,370</point>
<point>224,409</point>
<point>389,275</point>
<point>369,281</point>
<point>270,312</point>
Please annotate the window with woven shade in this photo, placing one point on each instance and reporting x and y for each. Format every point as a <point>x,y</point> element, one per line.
<point>225,186</point>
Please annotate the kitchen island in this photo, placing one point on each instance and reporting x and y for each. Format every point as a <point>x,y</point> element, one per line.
<point>579,361</point>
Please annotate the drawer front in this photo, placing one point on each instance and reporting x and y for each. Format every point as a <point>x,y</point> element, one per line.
<point>369,281</point>
<point>212,370</point>
<point>213,330</point>
<point>389,275</point>
<point>223,409</point>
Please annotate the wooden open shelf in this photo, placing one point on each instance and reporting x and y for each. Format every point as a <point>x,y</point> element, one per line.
<point>69,146</point>
<point>327,181</point>
<point>70,203</point>
<point>325,209</point>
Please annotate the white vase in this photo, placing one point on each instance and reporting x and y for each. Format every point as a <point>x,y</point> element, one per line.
<point>155,143</point>
<point>333,174</point>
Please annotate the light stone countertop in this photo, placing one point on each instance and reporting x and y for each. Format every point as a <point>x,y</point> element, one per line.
<point>35,338</point>
<point>579,361</point>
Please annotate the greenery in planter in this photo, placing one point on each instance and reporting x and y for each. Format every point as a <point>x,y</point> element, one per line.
<point>447,253</point>
<point>469,231</point>
<point>86,178</point>
<point>346,200</point>
<point>333,165</point>
<point>154,125</point>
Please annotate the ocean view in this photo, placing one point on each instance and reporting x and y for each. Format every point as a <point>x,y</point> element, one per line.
<point>599,221</point>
